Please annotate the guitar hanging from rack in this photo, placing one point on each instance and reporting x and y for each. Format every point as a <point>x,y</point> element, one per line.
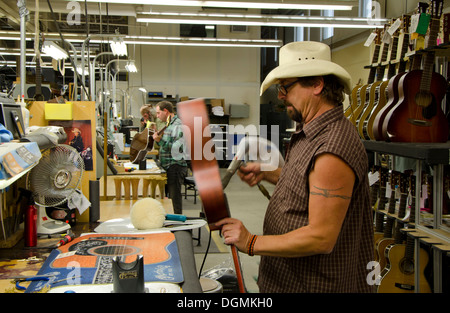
<point>378,92</point>
<point>399,274</point>
<point>385,95</point>
<point>364,93</point>
<point>359,91</point>
<point>418,117</point>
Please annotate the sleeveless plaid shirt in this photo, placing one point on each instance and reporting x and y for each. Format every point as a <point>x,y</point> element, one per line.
<point>344,269</point>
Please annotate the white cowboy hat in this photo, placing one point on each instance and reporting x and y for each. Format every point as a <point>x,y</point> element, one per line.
<point>303,59</point>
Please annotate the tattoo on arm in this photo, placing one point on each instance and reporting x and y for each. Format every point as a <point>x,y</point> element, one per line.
<point>327,193</point>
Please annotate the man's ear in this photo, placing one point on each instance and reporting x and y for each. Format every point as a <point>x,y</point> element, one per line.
<point>318,85</point>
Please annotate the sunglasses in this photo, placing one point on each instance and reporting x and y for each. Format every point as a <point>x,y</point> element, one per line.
<point>283,89</point>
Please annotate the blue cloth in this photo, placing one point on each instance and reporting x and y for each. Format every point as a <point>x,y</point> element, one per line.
<point>5,135</point>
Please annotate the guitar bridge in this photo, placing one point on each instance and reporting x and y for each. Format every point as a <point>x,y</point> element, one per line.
<point>420,123</point>
<point>404,286</point>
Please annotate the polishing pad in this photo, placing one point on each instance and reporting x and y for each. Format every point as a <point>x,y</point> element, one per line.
<point>147,213</point>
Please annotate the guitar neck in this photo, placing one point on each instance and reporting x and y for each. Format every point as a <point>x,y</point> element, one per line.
<point>381,68</point>
<point>412,208</point>
<point>428,64</point>
<point>402,66</point>
<point>409,251</point>
<point>403,196</point>
<point>392,201</point>
<point>387,233</point>
<point>373,70</point>
<point>393,56</point>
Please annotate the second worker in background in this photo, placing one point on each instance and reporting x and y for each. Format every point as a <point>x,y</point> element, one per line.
<point>171,154</point>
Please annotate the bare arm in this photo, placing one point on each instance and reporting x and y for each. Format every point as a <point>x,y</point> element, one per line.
<point>331,185</point>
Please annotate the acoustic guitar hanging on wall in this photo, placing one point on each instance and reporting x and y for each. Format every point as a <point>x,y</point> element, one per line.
<point>418,117</point>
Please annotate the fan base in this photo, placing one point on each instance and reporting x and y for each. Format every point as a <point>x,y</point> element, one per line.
<point>47,225</point>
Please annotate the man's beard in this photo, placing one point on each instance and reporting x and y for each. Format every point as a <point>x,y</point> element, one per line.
<point>293,113</point>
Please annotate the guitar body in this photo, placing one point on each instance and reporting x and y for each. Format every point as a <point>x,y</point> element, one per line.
<point>360,104</point>
<point>382,245</point>
<point>399,272</point>
<point>409,122</point>
<point>382,100</point>
<point>370,103</point>
<point>377,237</point>
<point>142,143</point>
<point>353,103</point>
<point>380,117</point>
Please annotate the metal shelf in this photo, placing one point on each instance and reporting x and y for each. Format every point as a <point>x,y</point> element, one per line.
<point>435,155</point>
<point>431,153</point>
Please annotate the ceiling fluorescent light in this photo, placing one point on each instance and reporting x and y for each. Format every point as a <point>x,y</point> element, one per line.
<point>259,20</point>
<point>249,4</point>
<point>203,42</point>
<point>118,47</point>
<point>53,50</point>
<point>81,71</point>
<point>131,67</point>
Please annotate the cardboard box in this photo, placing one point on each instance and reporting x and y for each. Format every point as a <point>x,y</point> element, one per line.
<point>218,102</point>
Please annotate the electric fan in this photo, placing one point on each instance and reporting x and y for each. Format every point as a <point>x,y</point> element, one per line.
<point>53,182</point>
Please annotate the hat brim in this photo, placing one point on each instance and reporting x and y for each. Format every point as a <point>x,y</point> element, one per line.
<point>306,69</point>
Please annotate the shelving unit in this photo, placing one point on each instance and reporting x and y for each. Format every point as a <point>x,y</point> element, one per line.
<point>436,234</point>
<point>155,100</point>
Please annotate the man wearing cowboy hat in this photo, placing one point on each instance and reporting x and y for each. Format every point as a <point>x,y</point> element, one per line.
<point>318,231</point>
<point>77,140</point>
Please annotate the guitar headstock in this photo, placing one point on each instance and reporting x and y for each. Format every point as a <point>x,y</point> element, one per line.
<point>378,31</point>
<point>412,184</point>
<point>436,8</point>
<point>423,7</point>
<point>406,21</point>
<point>383,176</point>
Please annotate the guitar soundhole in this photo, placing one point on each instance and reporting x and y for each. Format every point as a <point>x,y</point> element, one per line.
<point>407,266</point>
<point>427,102</point>
<point>101,248</point>
<point>424,99</point>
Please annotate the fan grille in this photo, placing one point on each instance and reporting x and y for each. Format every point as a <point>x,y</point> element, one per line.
<point>56,176</point>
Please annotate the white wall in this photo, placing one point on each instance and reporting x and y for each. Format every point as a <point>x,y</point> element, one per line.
<point>228,73</point>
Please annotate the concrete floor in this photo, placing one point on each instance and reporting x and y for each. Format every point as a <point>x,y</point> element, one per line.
<point>246,204</point>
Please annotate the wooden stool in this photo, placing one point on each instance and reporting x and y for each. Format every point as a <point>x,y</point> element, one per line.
<point>118,186</point>
<point>154,181</point>
<point>134,187</point>
<point>128,181</point>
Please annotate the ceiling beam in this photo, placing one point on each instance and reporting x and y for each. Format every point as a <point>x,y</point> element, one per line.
<point>13,15</point>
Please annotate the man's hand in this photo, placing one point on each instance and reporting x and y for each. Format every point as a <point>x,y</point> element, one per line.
<point>235,233</point>
<point>251,173</point>
<point>156,137</point>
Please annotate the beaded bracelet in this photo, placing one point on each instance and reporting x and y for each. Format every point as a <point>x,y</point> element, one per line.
<point>251,245</point>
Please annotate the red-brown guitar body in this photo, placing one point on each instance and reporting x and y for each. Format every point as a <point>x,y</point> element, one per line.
<point>392,101</point>
<point>409,122</point>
